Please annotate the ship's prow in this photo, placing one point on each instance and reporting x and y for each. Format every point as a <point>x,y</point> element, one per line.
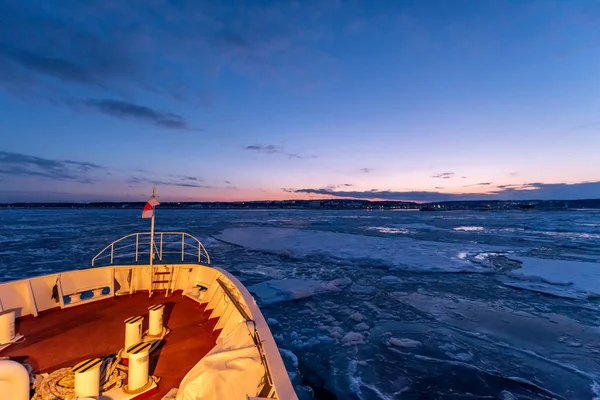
<point>208,339</point>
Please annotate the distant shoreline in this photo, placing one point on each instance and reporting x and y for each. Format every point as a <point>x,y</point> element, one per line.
<point>332,204</point>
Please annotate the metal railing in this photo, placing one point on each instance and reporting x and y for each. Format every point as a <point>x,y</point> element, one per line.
<point>171,247</point>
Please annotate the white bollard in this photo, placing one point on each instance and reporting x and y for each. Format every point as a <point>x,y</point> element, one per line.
<point>87,378</point>
<point>133,331</point>
<point>155,324</point>
<point>7,326</point>
<point>137,376</point>
<point>14,381</point>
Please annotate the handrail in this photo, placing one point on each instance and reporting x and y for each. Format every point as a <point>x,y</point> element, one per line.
<point>161,247</point>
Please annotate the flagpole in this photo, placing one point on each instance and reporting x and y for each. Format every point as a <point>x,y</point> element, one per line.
<point>152,230</point>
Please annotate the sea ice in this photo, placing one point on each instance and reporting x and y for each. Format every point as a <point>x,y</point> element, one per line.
<point>397,252</point>
<point>361,327</point>
<point>404,342</point>
<point>571,279</point>
<point>357,317</point>
<point>351,338</point>
<point>277,291</point>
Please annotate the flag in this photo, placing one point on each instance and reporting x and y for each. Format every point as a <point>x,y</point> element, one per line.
<point>148,211</point>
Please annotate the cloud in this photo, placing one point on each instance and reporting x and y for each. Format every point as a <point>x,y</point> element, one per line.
<point>366,170</point>
<point>22,165</point>
<point>529,191</point>
<point>339,185</point>
<point>479,184</point>
<point>186,178</point>
<point>200,39</point>
<point>126,110</point>
<point>443,175</point>
<point>271,149</point>
<point>55,67</point>
<point>179,180</point>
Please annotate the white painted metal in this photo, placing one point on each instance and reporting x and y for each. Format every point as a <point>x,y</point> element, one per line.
<point>151,241</point>
<point>155,324</point>
<point>133,246</point>
<point>133,333</point>
<point>7,326</point>
<point>14,381</point>
<point>137,376</point>
<point>87,383</point>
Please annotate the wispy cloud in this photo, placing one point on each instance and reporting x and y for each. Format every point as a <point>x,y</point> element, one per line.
<point>126,110</point>
<point>443,175</point>
<point>22,165</point>
<point>272,149</point>
<point>479,184</point>
<point>269,149</point>
<point>177,180</point>
<point>366,170</point>
<point>53,66</point>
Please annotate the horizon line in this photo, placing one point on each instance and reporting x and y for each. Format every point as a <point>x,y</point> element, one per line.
<point>300,200</point>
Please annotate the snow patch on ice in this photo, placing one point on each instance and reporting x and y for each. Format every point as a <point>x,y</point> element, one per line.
<point>469,228</point>
<point>404,342</point>
<point>352,338</point>
<point>357,317</point>
<point>289,355</point>
<point>277,291</point>
<point>362,327</point>
<point>506,395</point>
<point>595,388</point>
<point>571,279</point>
<point>383,229</point>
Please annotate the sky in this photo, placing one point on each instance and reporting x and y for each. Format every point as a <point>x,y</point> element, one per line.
<point>246,100</point>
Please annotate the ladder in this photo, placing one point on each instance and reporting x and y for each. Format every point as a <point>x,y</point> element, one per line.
<point>162,275</point>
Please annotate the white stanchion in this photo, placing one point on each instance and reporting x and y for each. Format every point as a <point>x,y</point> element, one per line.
<point>7,326</point>
<point>137,377</point>
<point>155,324</point>
<point>14,381</point>
<point>87,378</point>
<point>133,332</point>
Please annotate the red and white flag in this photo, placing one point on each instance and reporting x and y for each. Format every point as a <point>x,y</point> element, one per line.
<point>148,211</point>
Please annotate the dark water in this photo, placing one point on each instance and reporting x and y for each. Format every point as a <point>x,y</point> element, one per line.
<point>396,326</point>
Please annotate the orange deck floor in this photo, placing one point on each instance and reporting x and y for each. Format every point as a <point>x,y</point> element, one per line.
<point>62,338</point>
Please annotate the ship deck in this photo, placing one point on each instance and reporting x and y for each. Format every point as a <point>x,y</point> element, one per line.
<point>61,338</point>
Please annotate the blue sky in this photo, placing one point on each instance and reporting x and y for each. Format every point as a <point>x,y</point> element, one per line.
<point>227,100</point>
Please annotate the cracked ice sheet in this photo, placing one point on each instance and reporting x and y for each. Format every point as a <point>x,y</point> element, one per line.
<point>398,252</point>
<point>547,337</point>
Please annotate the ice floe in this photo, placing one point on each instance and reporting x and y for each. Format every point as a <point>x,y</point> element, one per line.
<point>404,342</point>
<point>397,252</point>
<point>570,279</point>
<point>280,290</point>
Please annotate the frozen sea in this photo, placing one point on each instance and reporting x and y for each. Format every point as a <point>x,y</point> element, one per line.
<point>383,304</point>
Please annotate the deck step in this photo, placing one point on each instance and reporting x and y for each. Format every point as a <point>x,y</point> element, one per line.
<point>160,281</point>
<point>162,273</point>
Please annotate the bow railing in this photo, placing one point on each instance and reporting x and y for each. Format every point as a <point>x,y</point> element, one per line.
<point>169,247</point>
